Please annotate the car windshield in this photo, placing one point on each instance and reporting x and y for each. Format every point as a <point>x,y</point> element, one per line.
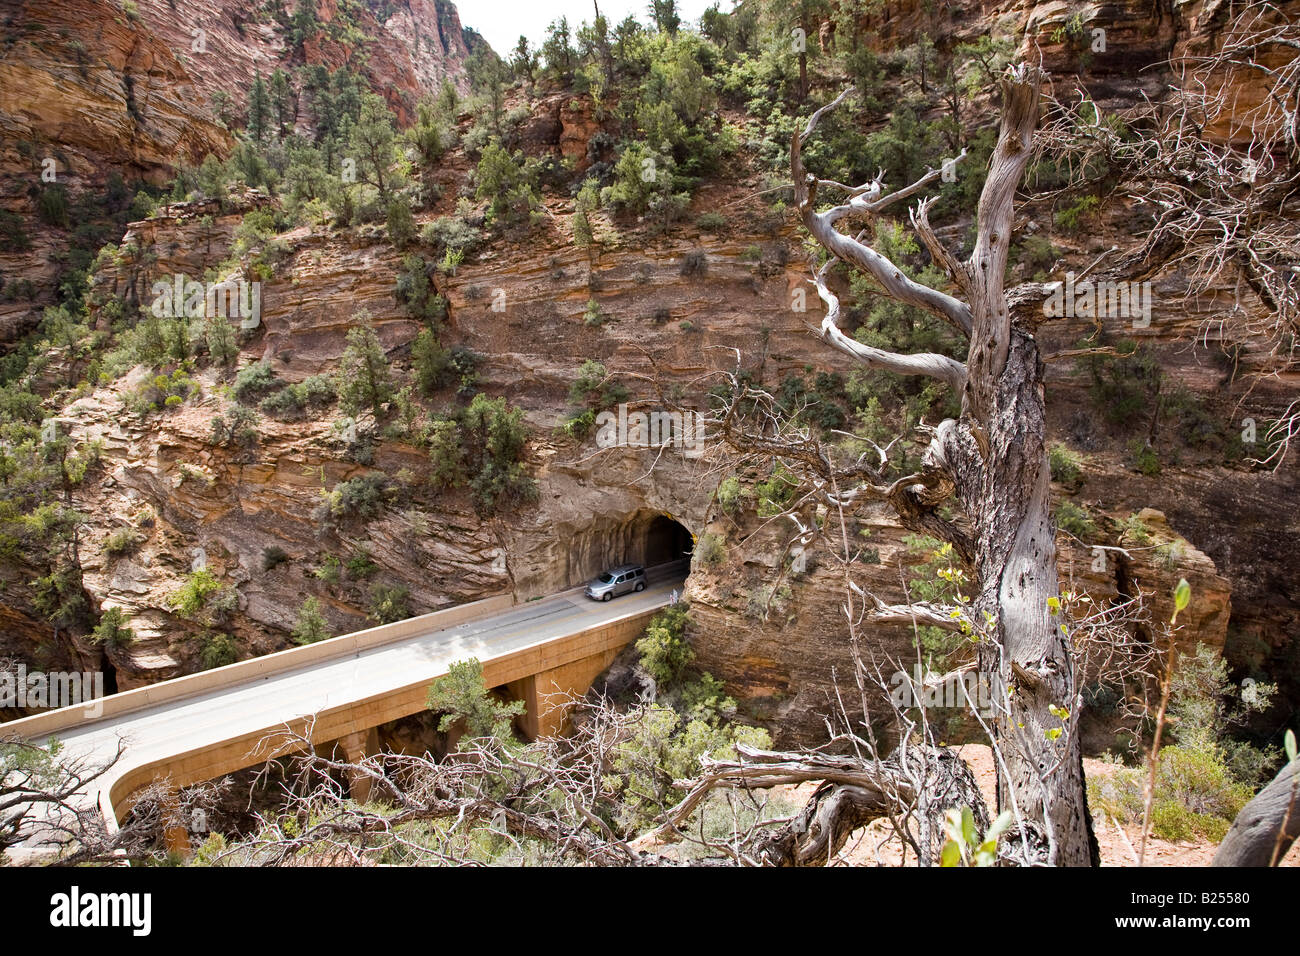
<point>604,577</point>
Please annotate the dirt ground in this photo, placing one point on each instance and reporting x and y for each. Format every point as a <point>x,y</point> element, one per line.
<point>875,846</point>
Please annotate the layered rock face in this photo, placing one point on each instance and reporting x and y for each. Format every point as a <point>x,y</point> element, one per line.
<point>671,306</point>
<point>88,90</point>
<point>96,90</point>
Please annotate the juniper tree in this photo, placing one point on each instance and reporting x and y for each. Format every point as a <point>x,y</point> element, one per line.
<point>991,463</point>
<point>364,379</point>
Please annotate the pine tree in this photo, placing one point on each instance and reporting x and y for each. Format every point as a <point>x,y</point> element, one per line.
<point>259,109</point>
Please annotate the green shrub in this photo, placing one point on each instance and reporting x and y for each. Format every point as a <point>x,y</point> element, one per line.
<point>357,498</point>
<point>219,335</point>
<point>588,201</point>
<point>776,493</point>
<point>122,541</point>
<point>1064,465</point>
<point>578,423</point>
<point>1071,217</point>
<point>1205,777</point>
<point>364,380</point>
<point>1135,531</point>
<point>1172,821</point>
<point>360,566</point>
<point>255,380</point>
<point>389,604</point>
<point>452,234</point>
<point>162,391</point>
<point>710,551</point>
<point>593,391</point>
<point>60,597</point>
<point>235,427</point>
<point>328,571</point>
<point>13,237</point>
<point>193,595</point>
<point>494,440</point>
<point>731,496</point>
<point>293,401</point>
<point>509,182</point>
<point>1126,383</point>
<point>416,292</point>
<point>311,625</point>
<point>111,631</point>
<point>712,222</point>
<point>665,651</point>
<point>666,746</point>
<point>401,224</point>
<point>462,695</point>
<point>52,207</point>
<point>595,387</point>
<point>432,363</point>
<point>218,650</point>
<point>1143,457</point>
<point>1074,520</point>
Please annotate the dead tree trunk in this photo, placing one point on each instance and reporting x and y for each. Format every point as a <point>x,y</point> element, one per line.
<point>1267,826</point>
<point>993,460</point>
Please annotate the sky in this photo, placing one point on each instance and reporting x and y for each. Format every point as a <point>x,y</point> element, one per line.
<point>502,21</point>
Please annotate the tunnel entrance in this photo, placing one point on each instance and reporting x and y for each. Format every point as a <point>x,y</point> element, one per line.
<point>666,540</point>
<point>645,537</point>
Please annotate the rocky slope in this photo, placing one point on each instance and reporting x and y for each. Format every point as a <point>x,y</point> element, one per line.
<point>88,90</point>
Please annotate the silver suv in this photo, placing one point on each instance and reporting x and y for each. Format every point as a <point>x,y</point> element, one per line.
<point>616,581</point>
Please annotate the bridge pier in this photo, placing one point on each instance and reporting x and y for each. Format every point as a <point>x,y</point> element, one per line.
<point>547,694</point>
<point>357,747</point>
<point>176,837</point>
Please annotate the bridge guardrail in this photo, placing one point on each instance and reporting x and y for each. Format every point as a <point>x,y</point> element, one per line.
<point>126,702</point>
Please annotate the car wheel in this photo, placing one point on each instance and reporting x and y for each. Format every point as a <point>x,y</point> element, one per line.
<point>640,586</point>
<point>606,596</point>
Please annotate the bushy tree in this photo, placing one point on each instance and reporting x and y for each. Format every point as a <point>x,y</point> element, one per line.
<point>558,51</point>
<point>311,625</point>
<point>523,61</point>
<point>223,345</point>
<point>432,362</point>
<point>364,379</point>
<point>494,441</point>
<point>463,695</point>
<point>370,142</point>
<point>507,182</point>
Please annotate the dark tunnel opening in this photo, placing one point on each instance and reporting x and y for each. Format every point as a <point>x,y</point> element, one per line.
<point>666,540</point>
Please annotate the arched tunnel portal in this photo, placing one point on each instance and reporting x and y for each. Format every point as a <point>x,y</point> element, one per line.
<point>644,537</point>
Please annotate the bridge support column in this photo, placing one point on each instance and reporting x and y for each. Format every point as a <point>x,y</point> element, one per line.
<point>176,833</point>
<point>356,748</point>
<point>547,694</point>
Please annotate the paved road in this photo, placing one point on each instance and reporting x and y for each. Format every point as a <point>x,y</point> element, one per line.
<point>267,703</point>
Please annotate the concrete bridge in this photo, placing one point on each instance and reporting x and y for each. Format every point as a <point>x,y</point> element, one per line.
<point>206,725</point>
